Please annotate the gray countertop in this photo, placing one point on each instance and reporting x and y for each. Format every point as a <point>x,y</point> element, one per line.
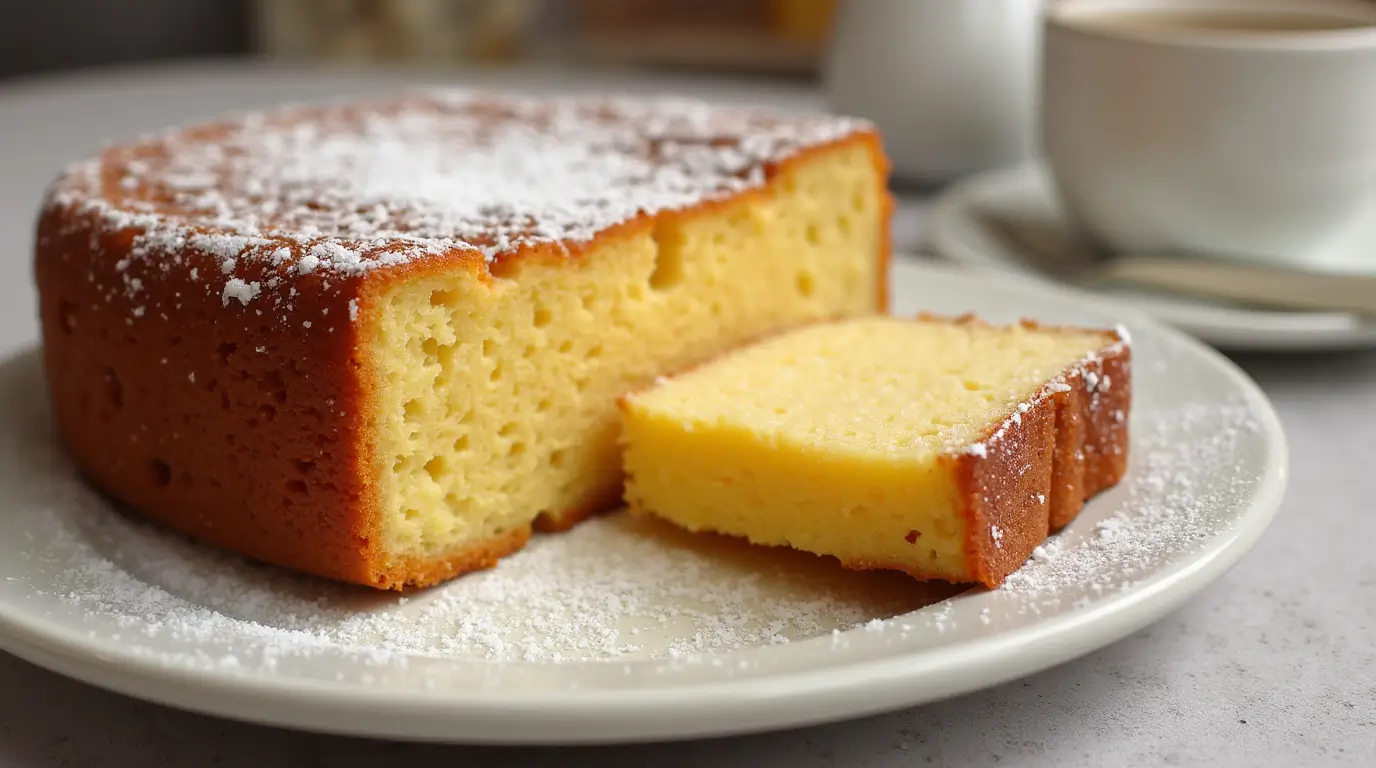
<point>1274,664</point>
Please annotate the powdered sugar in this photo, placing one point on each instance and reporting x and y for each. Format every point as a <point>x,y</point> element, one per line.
<point>348,188</point>
<point>240,290</point>
<point>1094,383</point>
<point>605,591</point>
<point>1183,469</point>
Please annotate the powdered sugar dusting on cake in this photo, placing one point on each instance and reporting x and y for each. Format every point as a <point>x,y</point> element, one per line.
<point>1084,369</point>
<point>240,290</point>
<point>348,188</point>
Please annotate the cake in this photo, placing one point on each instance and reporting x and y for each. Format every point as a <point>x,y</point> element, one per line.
<point>943,447</point>
<point>381,340</point>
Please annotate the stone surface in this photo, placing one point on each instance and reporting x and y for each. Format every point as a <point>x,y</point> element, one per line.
<point>1272,665</point>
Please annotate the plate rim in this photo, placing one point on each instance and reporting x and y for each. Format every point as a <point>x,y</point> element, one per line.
<point>723,707</point>
<point>949,220</point>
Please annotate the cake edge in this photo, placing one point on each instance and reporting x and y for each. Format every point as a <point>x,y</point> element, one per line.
<point>1082,415</point>
<point>1032,474</point>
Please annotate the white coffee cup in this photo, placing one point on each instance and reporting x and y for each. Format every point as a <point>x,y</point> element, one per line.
<point>1250,144</point>
<point>949,83</point>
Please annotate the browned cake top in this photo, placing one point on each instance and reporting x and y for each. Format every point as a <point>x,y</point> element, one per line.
<point>341,189</point>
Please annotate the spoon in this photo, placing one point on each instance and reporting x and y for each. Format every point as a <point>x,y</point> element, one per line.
<point>1070,259</point>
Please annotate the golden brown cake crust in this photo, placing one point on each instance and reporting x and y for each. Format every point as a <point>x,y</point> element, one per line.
<point>212,381</point>
<point>427,571</point>
<point>1031,475</point>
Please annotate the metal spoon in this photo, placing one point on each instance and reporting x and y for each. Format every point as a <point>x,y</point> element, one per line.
<point>1054,250</point>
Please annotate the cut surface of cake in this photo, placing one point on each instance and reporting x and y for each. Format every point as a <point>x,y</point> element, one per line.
<point>379,341</point>
<point>946,448</point>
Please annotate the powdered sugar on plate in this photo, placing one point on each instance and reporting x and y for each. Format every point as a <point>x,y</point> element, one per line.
<point>615,590</point>
<point>1166,506</point>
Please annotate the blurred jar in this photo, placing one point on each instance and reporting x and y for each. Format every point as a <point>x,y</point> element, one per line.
<point>419,31</point>
<point>65,34</point>
<point>783,37</point>
<point>950,83</point>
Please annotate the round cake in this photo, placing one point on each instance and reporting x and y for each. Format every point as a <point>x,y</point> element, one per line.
<point>380,341</point>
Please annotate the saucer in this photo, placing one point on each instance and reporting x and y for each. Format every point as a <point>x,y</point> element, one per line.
<point>959,232</point>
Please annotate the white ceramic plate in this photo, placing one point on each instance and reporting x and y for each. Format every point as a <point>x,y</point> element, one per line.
<point>714,637</point>
<point>958,232</point>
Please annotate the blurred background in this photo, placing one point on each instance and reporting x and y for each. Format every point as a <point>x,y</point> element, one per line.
<point>762,37</point>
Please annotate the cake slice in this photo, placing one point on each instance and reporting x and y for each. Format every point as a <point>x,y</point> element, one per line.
<point>945,448</point>
<point>381,340</point>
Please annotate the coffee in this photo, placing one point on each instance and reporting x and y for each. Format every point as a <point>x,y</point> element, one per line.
<point>1249,21</point>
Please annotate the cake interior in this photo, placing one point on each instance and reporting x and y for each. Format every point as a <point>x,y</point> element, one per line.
<point>495,401</point>
<point>827,439</point>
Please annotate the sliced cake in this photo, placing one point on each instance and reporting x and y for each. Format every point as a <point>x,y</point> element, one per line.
<point>945,448</point>
<point>379,341</point>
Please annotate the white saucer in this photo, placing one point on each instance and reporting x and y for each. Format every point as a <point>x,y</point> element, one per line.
<point>730,639</point>
<point>958,232</point>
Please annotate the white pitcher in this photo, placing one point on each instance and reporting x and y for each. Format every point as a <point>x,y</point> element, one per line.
<point>951,84</point>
